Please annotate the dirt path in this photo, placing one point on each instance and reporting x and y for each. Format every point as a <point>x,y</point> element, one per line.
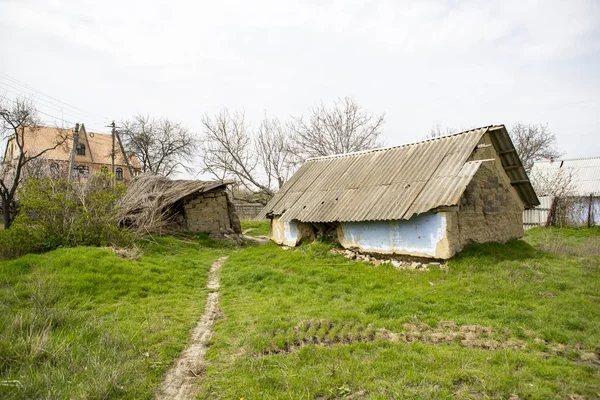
<point>180,381</point>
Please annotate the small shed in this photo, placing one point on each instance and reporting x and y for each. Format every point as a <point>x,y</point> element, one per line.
<point>155,203</point>
<point>426,199</point>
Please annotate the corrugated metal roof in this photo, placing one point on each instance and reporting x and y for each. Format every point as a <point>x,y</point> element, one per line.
<point>585,173</point>
<point>390,183</point>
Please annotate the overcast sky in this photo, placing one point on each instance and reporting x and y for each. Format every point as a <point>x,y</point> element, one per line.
<point>460,63</point>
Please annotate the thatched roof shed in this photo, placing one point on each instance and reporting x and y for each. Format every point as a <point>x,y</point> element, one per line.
<point>156,203</point>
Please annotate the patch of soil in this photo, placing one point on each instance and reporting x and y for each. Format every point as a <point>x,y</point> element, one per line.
<point>474,336</point>
<point>180,381</point>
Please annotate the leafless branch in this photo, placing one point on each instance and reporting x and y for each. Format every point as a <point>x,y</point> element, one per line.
<point>162,146</point>
<point>534,143</point>
<point>230,152</point>
<point>272,144</point>
<point>439,130</point>
<point>19,127</point>
<point>344,128</point>
<point>558,182</point>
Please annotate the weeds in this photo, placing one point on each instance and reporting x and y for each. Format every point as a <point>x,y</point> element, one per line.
<point>84,323</point>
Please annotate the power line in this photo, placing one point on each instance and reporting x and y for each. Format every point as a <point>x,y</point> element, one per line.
<point>36,90</point>
<point>49,105</point>
<point>80,111</point>
<point>49,115</point>
<point>92,126</point>
<point>53,107</point>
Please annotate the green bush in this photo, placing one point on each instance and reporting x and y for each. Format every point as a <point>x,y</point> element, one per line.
<point>54,213</point>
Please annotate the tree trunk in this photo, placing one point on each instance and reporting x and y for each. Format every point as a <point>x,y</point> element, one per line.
<point>6,212</point>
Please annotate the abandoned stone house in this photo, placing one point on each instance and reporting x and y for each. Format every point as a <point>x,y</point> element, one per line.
<point>93,152</point>
<point>156,203</point>
<point>426,199</point>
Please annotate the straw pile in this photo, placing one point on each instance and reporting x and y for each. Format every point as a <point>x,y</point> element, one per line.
<point>147,205</point>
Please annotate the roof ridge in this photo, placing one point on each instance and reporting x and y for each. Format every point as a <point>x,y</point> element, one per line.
<point>354,153</point>
<point>567,159</point>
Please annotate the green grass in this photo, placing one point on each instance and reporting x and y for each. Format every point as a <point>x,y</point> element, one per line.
<point>521,318</point>
<point>303,323</point>
<point>84,323</point>
<point>258,228</point>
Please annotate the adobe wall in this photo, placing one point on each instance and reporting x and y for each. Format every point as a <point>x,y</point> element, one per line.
<point>290,233</point>
<point>210,212</point>
<point>490,209</point>
<point>423,235</point>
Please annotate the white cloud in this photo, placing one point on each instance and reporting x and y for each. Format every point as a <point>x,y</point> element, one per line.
<point>463,62</point>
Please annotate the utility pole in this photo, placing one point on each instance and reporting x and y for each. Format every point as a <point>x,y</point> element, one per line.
<point>73,150</point>
<point>589,221</point>
<point>72,160</point>
<point>112,154</point>
<point>129,167</point>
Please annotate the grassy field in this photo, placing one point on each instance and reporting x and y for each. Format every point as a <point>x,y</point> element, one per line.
<point>255,228</point>
<point>84,323</point>
<point>517,320</point>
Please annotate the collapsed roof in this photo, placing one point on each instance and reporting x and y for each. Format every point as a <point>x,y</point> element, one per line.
<point>149,197</point>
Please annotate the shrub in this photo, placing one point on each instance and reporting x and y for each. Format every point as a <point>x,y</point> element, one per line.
<point>54,213</point>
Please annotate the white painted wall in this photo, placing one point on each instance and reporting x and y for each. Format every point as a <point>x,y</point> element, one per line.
<point>418,236</point>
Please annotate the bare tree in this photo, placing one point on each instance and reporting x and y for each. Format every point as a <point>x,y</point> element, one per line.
<point>560,184</point>
<point>20,124</point>
<point>162,146</point>
<point>230,150</point>
<point>553,182</point>
<point>344,128</point>
<point>272,146</point>
<point>439,130</point>
<point>534,143</point>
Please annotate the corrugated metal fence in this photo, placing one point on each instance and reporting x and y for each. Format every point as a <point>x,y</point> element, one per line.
<point>582,211</point>
<point>538,216</point>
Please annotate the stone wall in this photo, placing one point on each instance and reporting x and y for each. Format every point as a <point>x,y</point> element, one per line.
<point>490,209</point>
<point>209,212</point>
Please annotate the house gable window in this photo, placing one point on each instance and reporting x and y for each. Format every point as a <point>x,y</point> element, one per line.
<point>80,149</point>
<point>119,174</point>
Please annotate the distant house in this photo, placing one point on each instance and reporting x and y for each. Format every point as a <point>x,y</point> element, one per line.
<point>427,199</point>
<point>92,153</point>
<point>583,208</point>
